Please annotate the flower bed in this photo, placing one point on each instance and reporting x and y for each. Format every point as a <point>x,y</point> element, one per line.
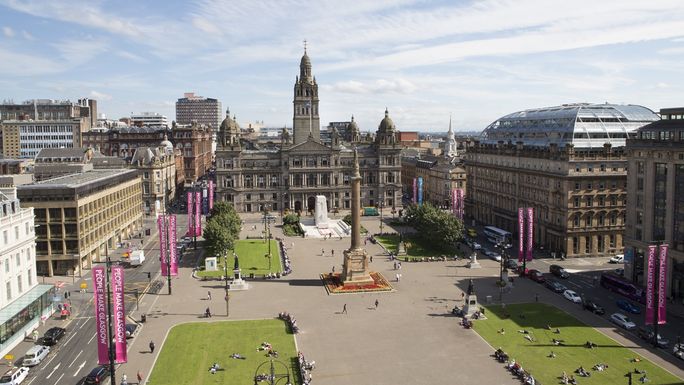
<point>333,284</point>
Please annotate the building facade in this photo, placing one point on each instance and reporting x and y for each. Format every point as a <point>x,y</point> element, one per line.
<point>123,141</point>
<point>192,108</point>
<point>157,167</point>
<point>79,215</point>
<point>655,198</point>
<point>149,119</point>
<point>195,143</point>
<point>566,162</point>
<point>441,175</point>
<point>288,176</point>
<point>25,138</point>
<point>48,109</point>
<point>22,299</point>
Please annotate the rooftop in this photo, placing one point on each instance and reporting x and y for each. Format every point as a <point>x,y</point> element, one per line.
<point>79,180</point>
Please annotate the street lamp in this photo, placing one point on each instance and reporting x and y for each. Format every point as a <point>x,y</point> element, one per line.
<point>501,247</point>
<point>381,224</point>
<point>273,377</point>
<point>225,274</point>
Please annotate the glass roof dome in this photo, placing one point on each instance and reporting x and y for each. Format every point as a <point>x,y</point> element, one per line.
<point>583,125</point>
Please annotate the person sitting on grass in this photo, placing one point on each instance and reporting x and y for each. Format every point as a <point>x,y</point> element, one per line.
<point>643,379</point>
<point>557,331</point>
<point>523,331</point>
<point>635,359</point>
<point>214,368</point>
<point>590,345</point>
<point>552,354</point>
<point>502,331</point>
<point>558,342</point>
<point>238,356</point>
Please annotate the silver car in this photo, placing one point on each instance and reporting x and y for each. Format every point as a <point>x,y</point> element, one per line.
<point>622,321</point>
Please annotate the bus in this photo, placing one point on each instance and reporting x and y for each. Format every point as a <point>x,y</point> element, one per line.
<point>496,235</point>
<point>617,284</point>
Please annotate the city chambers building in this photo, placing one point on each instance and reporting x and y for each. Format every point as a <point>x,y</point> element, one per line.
<point>289,175</point>
<point>567,162</point>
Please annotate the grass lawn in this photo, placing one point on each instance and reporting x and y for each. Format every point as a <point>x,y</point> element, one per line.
<point>533,356</point>
<point>190,350</point>
<point>251,253</point>
<point>415,248</point>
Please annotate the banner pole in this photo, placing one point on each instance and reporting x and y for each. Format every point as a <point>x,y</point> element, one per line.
<point>110,335</point>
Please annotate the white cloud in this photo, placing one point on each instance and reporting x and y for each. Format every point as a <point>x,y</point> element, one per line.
<point>7,31</point>
<point>205,25</point>
<point>27,36</point>
<point>379,86</point>
<point>100,95</point>
<point>131,56</point>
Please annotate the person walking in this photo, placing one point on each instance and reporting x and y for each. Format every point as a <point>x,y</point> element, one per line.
<point>396,276</point>
<point>376,304</point>
<point>140,377</point>
<point>151,346</point>
<point>207,313</point>
<point>333,269</point>
<point>536,298</point>
<point>323,252</point>
<point>209,296</point>
<point>395,265</point>
<point>332,253</point>
<point>344,309</point>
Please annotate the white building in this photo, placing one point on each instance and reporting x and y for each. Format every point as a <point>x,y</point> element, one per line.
<point>22,300</point>
<point>25,138</point>
<point>149,119</point>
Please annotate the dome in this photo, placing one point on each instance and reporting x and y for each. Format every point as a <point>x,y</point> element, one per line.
<point>228,124</point>
<point>166,143</point>
<point>143,155</point>
<point>583,125</point>
<point>386,124</point>
<point>306,62</point>
<point>353,127</point>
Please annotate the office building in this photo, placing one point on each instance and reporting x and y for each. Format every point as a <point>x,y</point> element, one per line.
<point>78,216</point>
<point>568,163</point>
<point>655,198</point>
<point>25,138</point>
<point>149,119</point>
<point>194,108</point>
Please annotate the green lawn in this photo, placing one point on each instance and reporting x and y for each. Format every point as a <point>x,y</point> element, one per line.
<point>190,350</point>
<point>415,248</point>
<point>251,253</point>
<point>533,356</point>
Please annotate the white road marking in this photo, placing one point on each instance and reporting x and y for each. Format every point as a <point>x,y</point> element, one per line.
<point>72,362</point>
<point>91,339</point>
<point>29,383</point>
<point>51,358</point>
<point>79,368</point>
<point>70,338</point>
<point>60,377</point>
<point>53,371</point>
<point>574,284</point>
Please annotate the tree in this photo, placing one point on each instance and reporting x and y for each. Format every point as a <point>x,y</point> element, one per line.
<point>225,214</point>
<point>219,238</point>
<point>290,219</point>
<point>434,225</point>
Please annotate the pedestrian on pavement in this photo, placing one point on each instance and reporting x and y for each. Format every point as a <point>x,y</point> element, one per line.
<point>124,380</point>
<point>323,252</point>
<point>396,277</point>
<point>536,298</point>
<point>344,309</point>
<point>207,313</point>
<point>399,265</point>
<point>371,259</point>
<point>333,269</point>
<point>151,346</point>
<point>140,377</point>
<point>376,304</point>
<point>462,296</point>
<point>332,253</point>
<point>292,245</point>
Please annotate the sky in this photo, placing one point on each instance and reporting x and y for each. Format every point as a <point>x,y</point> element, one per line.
<point>425,61</point>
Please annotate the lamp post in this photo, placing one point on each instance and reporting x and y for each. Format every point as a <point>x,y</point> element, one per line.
<point>273,377</point>
<point>381,224</point>
<point>225,274</point>
<point>502,248</point>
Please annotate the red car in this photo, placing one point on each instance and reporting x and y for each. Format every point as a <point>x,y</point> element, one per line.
<point>536,275</point>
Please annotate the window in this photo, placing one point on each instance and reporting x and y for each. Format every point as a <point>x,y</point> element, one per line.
<point>248,197</point>
<point>639,218</point>
<point>18,259</point>
<point>29,276</point>
<point>590,186</point>
<point>576,202</point>
<point>576,220</point>
<point>575,245</point>
<point>603,167</point>
<point>611,239</point>
<point>590,201</point>
<point>146,175</point>
<point>5,236</point>
<point>577,185</point>
<point>640,167</point>
<point>27,228</point>
<point>7,265</point>
<point>20,288</point>
<point>8,289</point>
<point>600,243</point>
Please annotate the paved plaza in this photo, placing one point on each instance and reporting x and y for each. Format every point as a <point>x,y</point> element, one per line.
<point>410,339</point>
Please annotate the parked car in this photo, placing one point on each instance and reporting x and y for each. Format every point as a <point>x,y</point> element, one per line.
<point>14,376</point>
<point>620,272</point>
<point>493,255</point>
<point>559,271</point>
<point>511,264</point>
<point>97,375</point>
<point>570,295</point>
<point>646,332</point>
<point>622,320</point>
<point>594,307</point>
<point>555,286</point>
<point>536,275</point>
<point>628,306</point>
<point>476,246</point>
<point>131,329</point>
<point>53,335</point>
<point>620,258</point>
<point>35,355</point>
<point>678,351</point>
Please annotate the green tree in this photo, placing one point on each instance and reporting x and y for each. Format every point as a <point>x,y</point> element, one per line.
<point>219,238</point>
<point>225,214</point>
<point>291,219</point>
<point>434,225</point>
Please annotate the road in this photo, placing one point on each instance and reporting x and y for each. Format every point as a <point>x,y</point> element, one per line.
<point>76,353</point>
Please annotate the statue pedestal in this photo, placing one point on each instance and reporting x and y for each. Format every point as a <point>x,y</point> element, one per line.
<point>474,264</point>
<point>402,249</point>
<point>237,283</point>
<point>355,268</point>
<point>471,305</point>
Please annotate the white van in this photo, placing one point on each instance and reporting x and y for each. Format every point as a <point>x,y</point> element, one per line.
<point>35,355</point>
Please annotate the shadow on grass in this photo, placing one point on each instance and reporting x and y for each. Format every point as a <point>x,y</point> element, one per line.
<point>534,316</point>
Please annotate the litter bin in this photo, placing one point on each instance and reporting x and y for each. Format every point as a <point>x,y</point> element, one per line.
<point>488,299</point>
<point>143,318</point>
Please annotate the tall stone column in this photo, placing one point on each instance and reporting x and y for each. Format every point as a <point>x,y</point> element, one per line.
<point>355,268</point>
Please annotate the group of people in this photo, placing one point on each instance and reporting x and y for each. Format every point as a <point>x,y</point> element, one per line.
<point>270,352</point>
<point>305,368</point>
<point>291,321</point>
<point>524,376</point>
<point>500,355</point>
<point>286,260</point>
<point>271,275</point>
<point>213,368</point>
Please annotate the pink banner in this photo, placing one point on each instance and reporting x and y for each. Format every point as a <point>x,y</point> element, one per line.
<point>191,219</point>
<point>521,234</point>
<point>454,202</point>
<point>118,313</point>
<point>198,213</point>
<point>101,327</point>
<point>650,284</point>
<point>415,190</point>
<point>172,245</point>
<point>211,194</point>
<point>662,290</point>
<point>161,225</point>
<point>530,232</point>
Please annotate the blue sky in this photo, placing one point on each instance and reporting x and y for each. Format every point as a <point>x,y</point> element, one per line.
<point>424,60</point>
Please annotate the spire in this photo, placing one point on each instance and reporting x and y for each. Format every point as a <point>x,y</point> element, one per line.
<point>450,131</point>
<point>357,173</point>
<point>386,112</point>
<point>228,112</point>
